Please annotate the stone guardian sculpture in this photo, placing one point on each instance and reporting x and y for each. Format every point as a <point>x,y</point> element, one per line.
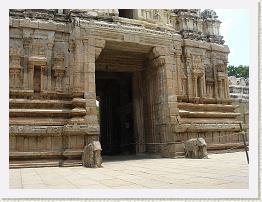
<point>196,148</point>
<point>91,156</point>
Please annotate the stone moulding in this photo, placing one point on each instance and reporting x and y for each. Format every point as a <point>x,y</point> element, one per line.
<point>206,127</point>
<point>53,130</point>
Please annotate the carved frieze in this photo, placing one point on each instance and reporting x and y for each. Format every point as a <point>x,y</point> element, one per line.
<point>58,67</point>
<point>38,48</point>
<point>197,65</point>
<point>15,54</point>
<point>209,73</point>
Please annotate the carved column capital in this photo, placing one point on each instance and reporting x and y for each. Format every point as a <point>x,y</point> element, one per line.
<point>160,51</point>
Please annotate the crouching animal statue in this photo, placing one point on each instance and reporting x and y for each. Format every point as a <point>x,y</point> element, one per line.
<point>91,156</point>
<point>196,148</point>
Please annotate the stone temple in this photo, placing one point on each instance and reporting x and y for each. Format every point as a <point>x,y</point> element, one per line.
<point>160,77</point>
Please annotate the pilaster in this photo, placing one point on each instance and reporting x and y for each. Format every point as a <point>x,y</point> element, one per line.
<point>178,74</point>
<point>50,46</point>
<point>26,45</point>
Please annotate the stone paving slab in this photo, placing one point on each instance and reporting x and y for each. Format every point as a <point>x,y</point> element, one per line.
<point>219,171</point>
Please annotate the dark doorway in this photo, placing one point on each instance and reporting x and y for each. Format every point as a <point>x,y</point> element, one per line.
<point>37,79</point>
<point>126,13</point>
<point>116,112</point>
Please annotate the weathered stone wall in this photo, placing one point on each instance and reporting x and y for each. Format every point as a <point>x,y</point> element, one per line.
<point>180,85</point>
<point>239,93</point>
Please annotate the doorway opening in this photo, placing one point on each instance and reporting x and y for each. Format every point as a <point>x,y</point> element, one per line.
<point>129,93</point>
<point>114,90</point>
<point>126,13</point>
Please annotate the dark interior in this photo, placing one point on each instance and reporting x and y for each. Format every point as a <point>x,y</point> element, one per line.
<point>116,112</point>
<point>126,13</point>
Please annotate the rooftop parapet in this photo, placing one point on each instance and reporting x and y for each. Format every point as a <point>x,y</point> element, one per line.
<point>189,23</point>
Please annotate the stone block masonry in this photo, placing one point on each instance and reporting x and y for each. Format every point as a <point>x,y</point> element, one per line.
<point>160,76</point>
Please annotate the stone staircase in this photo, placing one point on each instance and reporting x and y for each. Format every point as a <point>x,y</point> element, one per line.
<point>203,113</point>
<point>44,112</point>
<point>46,131</point>
<point>216,123</point>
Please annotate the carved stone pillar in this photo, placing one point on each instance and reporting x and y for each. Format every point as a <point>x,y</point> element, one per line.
<point>189,78</point>
<point>26,45</point>
<point>59,71</point>
<point>78,63</point>
<point>30,70</point>
<point>215,78</point>
<point>11,78</point>
<point>59,74</point>
<point>220,89</point>
<point>227,88</point>
<point>194,80</point>
<point>92,49</point>
<point>178,74</point>
<point>49,66</point>
<point>43,77</point>
<point>165,112</point>
<point>89,65</point>
<point>204,90</point>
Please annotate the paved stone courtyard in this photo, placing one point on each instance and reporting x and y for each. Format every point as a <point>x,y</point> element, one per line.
<point>220,171</point>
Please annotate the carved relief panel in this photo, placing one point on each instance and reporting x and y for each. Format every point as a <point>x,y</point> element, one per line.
<point>197,65</point>
<point>222,80</point>
<point>38,48</point>
<point>58,70</point>
<point>14,68</point>
<point>209,76</point>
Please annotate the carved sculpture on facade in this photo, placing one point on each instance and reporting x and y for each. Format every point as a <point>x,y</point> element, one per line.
<point>59,71</point>
<point>15,68</point>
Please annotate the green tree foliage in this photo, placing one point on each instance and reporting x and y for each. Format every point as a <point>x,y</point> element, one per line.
<point>238,71</point>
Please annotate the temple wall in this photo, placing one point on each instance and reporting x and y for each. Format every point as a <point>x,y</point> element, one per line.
<point>181,87</point>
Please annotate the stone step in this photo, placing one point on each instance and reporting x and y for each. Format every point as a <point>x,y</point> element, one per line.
<point>205,107</point>
<point>204,114</point>
<point>208,120</point>
<point>226,146</point>
<point>53,158</point>
<point>66,113</point>
<point>45,154</point>
<point>217,148</point>
<point>44,163</point>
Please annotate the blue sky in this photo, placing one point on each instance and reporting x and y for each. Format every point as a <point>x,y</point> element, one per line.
<point>235,28</point>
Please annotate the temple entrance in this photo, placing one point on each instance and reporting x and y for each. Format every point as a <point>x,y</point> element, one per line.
<point>116,112</point>
<point>130,92</point>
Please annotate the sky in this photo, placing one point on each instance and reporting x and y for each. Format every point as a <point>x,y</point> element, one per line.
<point>235,28</point>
